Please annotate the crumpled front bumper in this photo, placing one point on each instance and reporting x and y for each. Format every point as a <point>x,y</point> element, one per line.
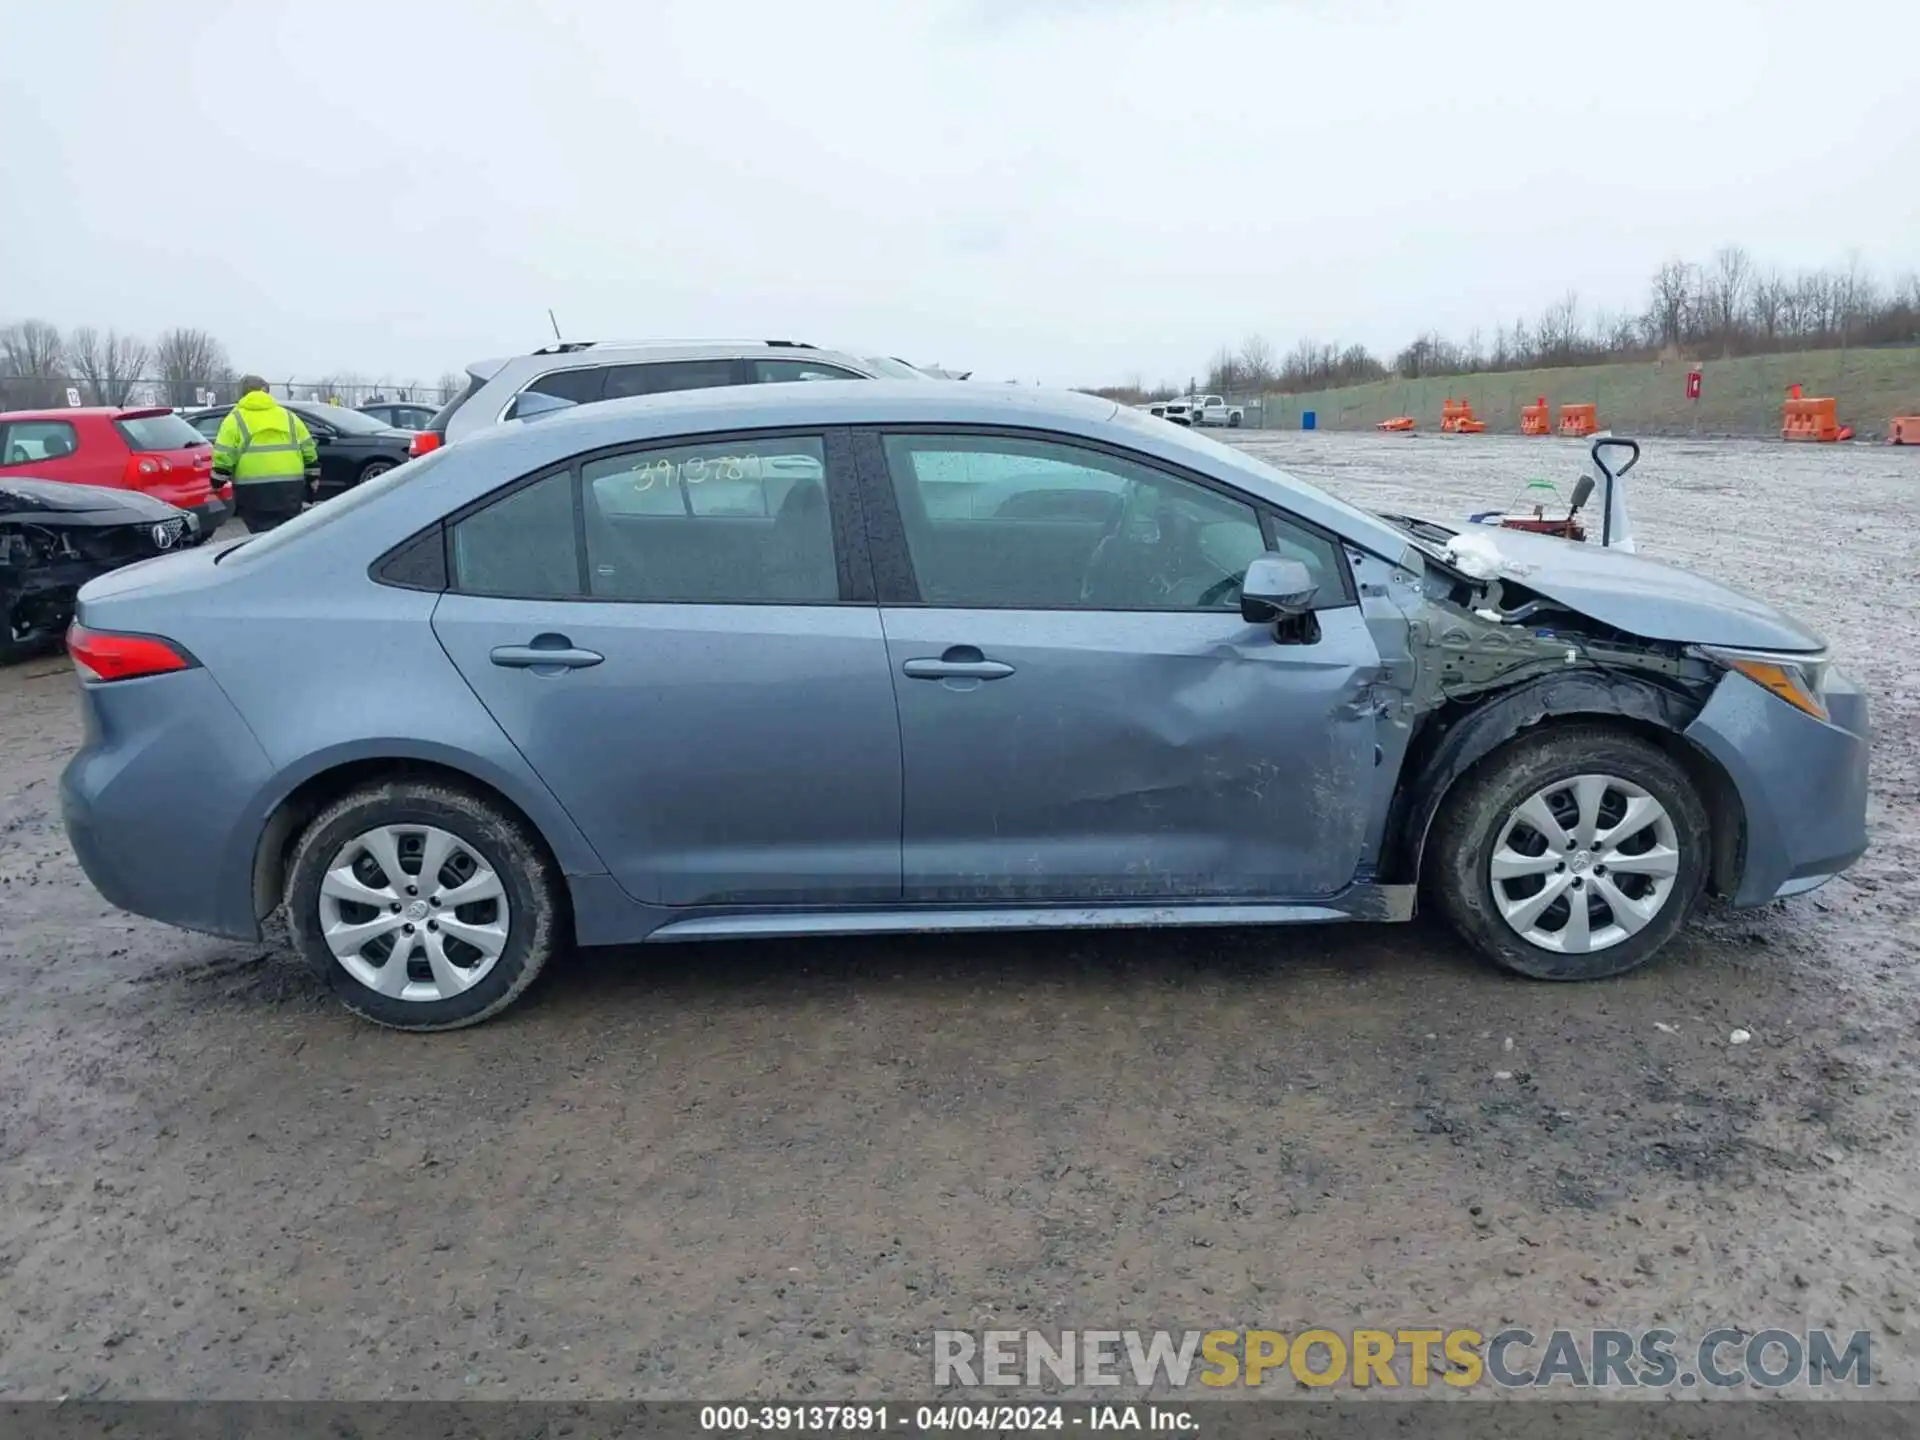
<point>1802,782</point>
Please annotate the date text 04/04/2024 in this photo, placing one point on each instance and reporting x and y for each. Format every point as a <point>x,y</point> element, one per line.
<point>936,1419</point>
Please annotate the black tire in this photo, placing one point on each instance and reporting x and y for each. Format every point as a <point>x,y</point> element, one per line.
<point>373,468</point>
<point>536,929</point>
<point>1459,851</point>
<point>1233,422</point>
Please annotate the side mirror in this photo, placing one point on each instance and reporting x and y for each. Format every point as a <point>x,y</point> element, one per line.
<point>1276,588</point>
<point>1582,491</point>
<point>532,405</point>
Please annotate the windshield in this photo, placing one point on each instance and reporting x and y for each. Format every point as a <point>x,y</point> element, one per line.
<point>1238,459</point>
<point>319,516</point>
<point>347,422</point>
<point>893,369</point>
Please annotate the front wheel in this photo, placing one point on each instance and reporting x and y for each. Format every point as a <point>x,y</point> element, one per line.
<point>425,906</point>
<point>1573,854</point>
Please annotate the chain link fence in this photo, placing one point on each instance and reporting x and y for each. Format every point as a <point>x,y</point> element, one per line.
<point>1739,397</point>
<point>33,392</point>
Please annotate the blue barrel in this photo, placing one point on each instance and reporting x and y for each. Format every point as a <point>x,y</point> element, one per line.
<point>1309,420</point>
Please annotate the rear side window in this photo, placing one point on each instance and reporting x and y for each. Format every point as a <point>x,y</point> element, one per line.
<point>582,387</point>
<point>775,372</point>
<point>668,375</point>
<point>734,522</point>
<point>26,441</point>
<point>523,544</point>
<point>145,433</point>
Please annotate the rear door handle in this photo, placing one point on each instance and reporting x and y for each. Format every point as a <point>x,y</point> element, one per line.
<point>959,662</point>
<point>548,653</point>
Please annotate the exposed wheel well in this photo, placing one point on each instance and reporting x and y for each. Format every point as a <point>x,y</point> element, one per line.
<point>1440,774</point>
<point>314,794</point>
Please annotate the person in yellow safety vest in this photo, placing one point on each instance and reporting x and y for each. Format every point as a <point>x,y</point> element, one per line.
<point>269,454</point>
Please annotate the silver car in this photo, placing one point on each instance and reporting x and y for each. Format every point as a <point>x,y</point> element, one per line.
<point>844,659</point>
<point>579,372</point>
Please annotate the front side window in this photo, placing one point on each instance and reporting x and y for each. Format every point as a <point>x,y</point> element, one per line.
<point>26,441</point>
<point>733,522</point>
<point>1011,522</point>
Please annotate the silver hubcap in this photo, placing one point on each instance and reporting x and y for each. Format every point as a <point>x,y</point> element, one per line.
<point>1584,864</point>
<point>413,912</point>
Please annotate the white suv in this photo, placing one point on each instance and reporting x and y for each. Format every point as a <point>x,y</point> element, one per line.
<point>579,372</point>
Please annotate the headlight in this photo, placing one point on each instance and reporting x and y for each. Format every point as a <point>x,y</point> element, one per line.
<point>1800,680</point>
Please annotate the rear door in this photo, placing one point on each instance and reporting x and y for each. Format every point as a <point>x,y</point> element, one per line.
<point>683,641</point>
<point>1085,716</point>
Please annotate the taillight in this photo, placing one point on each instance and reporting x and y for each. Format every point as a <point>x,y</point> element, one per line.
<point>144,469</point>
<point>101,656</point>
<point>424,443</point>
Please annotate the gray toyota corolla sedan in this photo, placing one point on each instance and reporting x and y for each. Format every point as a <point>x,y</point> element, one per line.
<point>838,659</point>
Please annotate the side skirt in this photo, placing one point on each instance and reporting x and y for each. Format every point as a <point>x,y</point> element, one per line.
<point>1358,902</point>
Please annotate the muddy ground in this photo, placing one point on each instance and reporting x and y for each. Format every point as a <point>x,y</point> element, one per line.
<point>772,1169</point>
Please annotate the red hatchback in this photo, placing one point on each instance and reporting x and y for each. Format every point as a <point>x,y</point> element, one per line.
<point>150,450</point>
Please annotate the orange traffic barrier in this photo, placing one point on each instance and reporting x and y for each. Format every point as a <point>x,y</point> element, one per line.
<point>1809,418</point>
<point>1456,418</point>
<point>1398,422</point>
<point>1904,430</point>
<point>1579,419</point>
<point>1537,418</point>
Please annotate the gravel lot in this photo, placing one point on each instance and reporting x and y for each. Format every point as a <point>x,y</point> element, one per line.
<point>772,1169</point>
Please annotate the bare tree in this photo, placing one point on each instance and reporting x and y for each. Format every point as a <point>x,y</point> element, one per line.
<point>451,383</point>
<point>1766,300</point>
<point>1667,308</point>
<point>1256,363</point>
<point>1727,290</point>
<point>188,361</point>
<point>32,363</point>
<point>111,364</point>
<point>1224,372</point>
<point>1558,332</point>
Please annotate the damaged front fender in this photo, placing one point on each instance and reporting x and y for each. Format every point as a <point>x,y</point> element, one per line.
<point>1464,734</point>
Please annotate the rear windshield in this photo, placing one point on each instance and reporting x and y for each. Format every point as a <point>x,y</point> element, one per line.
<point>444,416</point>
<point>324,513</point>
<point>146,433</point>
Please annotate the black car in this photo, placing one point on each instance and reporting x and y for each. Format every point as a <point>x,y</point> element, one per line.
<point>54,537</point>
<point>401,414</point>
<point>353,447</point>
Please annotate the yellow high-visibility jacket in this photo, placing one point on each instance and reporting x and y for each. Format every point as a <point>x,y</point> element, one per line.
<point>263,440</point>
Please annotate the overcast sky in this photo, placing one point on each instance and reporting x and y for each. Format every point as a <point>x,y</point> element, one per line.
<point>1071,191</point>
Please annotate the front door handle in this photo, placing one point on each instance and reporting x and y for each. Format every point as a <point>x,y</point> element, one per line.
<point>959,662</point>
<point>547,654</point>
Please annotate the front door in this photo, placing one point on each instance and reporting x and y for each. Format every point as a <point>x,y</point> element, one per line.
<point>701,686</point>
<point>1085,716</point>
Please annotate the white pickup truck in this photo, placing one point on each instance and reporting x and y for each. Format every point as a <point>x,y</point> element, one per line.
<point>1199,410</point>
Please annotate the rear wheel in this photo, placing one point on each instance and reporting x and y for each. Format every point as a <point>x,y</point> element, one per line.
<point>1233,422</point>
<point>425,906</point>
<point>373,468</point>
<point>1573,854</point>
